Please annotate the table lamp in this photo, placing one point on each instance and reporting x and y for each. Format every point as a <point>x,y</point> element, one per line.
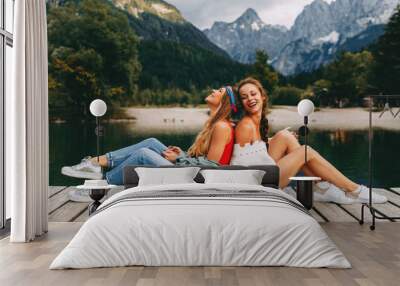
<point>304,184</point>
<point>98,108</point>
<point>305,108</point>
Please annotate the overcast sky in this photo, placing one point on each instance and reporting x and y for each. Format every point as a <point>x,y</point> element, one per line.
<point>203,13</point>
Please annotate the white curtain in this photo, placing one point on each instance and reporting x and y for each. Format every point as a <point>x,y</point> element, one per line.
<point>27,124</point>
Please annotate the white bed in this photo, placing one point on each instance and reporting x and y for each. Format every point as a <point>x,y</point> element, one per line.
<point>183,230</point>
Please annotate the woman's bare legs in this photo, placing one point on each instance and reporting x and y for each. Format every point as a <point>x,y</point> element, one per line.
<point>282,143</point>
<point>289,155</point>
<point>290,164</point>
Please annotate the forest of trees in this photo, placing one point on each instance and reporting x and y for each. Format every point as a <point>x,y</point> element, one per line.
<point>343,82</point>
<point>92,54</point>
<point>95,53</point>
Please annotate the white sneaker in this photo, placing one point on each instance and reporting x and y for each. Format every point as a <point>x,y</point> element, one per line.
<point>85,170</point>
<point>81,196</point>
<point>327,192</point>
<point>361,195</point>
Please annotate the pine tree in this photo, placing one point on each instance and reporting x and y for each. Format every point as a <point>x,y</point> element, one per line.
<point>386,72</point>
<point>264,73</point>
<point>348,77</point>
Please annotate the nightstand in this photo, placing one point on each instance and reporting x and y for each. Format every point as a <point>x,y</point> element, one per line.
<point>304,191</point>
<point>96,193</point>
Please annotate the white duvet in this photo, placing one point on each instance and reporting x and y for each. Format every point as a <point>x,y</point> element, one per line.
<point>200,231</point>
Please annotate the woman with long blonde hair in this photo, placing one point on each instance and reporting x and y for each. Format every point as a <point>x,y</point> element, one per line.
<point>212,146</point>
<point>215,141</point>
<point>284,150</point>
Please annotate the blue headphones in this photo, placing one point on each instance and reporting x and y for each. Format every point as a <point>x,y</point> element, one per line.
<point>231,95</point>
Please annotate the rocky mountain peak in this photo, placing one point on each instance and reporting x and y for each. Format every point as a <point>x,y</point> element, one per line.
<point>245,35</point>
<point>313,22</point>
<point>319,31</point>
<point>249,20</point>
<point>158,8</point>
<point>249,16</point>
<point>319,3</point>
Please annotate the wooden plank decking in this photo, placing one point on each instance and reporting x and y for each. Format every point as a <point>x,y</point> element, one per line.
<point>62,209</point>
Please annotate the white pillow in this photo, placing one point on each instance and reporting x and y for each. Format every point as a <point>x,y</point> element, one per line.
<point>248,177</point>
<point>166,176</point>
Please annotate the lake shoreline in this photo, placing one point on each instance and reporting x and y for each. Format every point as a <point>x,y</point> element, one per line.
<point>341,136</point>
<point>192,119</point>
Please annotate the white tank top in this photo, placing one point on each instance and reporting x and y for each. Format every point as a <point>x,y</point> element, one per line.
<point>251,154</point>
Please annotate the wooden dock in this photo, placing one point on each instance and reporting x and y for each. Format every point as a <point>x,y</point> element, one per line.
<point>62,209</point>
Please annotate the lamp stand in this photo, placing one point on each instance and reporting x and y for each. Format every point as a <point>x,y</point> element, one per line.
<point>304,185</point>
<point>99,131</point>
<point>98,138</point>
<point>305,139</point>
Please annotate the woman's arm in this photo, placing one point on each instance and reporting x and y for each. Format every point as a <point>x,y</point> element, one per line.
<point>244,132</point>
<point>220,136</point>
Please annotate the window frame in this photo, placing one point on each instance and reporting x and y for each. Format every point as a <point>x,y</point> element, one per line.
<point>6,39</point>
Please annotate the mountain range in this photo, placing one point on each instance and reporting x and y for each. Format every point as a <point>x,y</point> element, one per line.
<point>161,21</point>
<point>319,32</point>
<point>174,52</point>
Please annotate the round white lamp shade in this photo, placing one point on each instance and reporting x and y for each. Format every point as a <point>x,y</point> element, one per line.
<point>305,107</point>
<point>98,107</point>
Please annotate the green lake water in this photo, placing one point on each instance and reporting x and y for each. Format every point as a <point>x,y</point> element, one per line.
<point>347,150</point>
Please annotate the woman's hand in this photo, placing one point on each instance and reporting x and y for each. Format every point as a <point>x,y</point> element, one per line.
<point>170,155</point>
<point>175,149</point>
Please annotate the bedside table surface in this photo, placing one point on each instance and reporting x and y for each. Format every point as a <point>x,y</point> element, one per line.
<point>107,187</point>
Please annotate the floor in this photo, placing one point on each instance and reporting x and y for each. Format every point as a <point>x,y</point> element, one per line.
<point>375,257</point>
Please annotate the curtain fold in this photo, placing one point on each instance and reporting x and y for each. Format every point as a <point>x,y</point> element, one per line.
<point>27,124</point>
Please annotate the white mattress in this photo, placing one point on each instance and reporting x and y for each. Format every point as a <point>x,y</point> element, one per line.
<point>191,231</point>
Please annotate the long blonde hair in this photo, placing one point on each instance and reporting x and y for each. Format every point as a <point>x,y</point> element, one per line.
<point>201,145</point>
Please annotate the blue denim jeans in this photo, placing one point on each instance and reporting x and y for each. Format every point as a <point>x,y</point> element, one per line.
<point>146,152</point>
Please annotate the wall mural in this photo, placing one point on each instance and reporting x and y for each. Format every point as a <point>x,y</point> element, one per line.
<point>163,68</point>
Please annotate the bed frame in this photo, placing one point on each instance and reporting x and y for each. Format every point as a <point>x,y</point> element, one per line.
<point>270,179</point>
